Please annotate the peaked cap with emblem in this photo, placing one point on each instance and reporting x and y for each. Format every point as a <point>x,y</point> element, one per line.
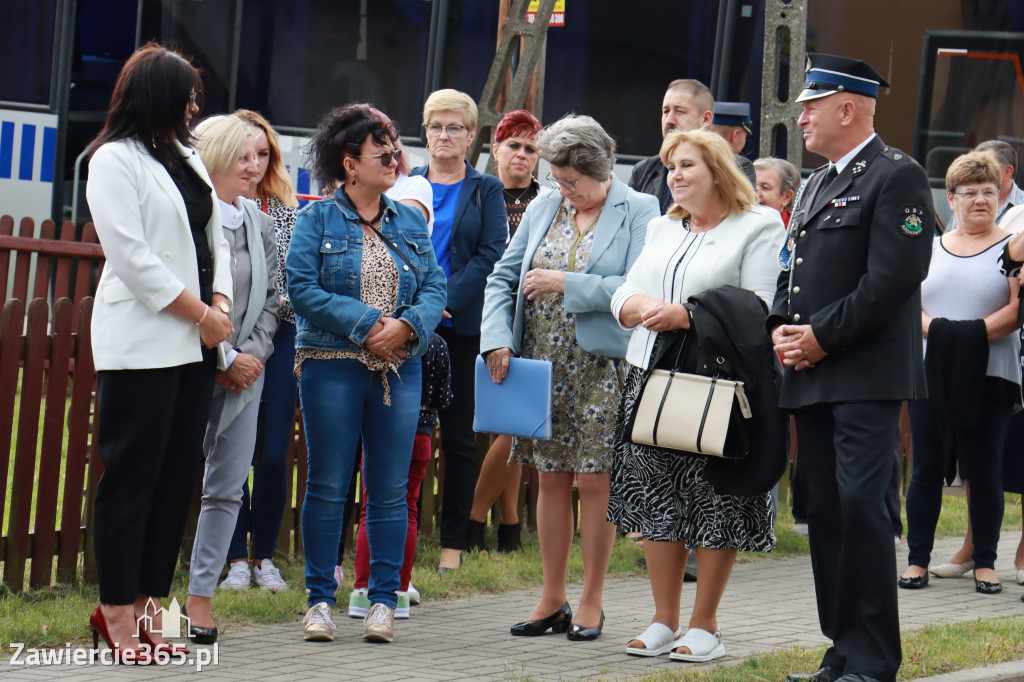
<point>828,74</point>
<point>732,114</point>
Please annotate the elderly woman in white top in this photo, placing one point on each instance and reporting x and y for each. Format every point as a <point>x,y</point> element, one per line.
<point>226,145</point>
<point>969,320</point>
<point>715,234</point>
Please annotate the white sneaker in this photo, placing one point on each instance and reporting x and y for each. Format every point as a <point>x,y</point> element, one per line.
<point>402,608</point>
<point>414,595</point>
<point>318,624</point>
<point>358,603</point>
<point>268,577</point>
<point>239,576</point>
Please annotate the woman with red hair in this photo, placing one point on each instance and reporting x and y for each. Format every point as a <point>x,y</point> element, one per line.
<point>516,155</point>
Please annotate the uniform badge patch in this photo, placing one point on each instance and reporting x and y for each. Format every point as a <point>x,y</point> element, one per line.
<point>912,219</point>
<point>859,167</point>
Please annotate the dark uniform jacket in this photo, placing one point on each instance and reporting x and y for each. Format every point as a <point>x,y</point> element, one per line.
<point>650,175</point>
<point>860,250</point>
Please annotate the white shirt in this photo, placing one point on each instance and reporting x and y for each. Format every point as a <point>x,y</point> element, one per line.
<point>417,188</point>
<point>742,250</point>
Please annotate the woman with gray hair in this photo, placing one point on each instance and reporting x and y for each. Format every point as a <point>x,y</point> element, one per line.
<point>777,182</point>
<point>570,253</point>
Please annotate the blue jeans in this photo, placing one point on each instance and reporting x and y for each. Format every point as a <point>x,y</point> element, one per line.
<point>341,400</point>
<point>266,505</point>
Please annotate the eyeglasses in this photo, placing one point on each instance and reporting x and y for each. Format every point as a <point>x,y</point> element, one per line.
<point>385,157</point>
<point>192,98</point>
<point>972,194</point>
<point>567,185</point>
<point>452,130</point>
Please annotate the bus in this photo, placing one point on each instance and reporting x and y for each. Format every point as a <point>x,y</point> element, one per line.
<point>293,60</point>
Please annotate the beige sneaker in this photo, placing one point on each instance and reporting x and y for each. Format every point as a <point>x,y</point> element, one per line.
<point>379,624</point>
<point>319,626</point>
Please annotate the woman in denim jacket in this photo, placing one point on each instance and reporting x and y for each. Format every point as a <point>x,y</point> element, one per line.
<point>367,293</point>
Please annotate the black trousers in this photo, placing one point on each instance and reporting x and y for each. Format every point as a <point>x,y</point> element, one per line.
<point>150,437</point>
<point>798,491</point>
<point>458,440</point>
<point>846,452</point>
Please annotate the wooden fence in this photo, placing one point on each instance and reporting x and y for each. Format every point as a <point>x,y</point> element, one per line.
<point>48,383</point>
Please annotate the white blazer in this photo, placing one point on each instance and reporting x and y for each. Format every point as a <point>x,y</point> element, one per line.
<point>143,227</point>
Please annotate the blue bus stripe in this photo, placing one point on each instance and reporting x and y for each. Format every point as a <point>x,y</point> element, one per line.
<point>28,151</point>
<point>49,154</point>
<point>303,184</point>
<point>6,149</point>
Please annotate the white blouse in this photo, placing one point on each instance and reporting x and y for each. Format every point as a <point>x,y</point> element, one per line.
<point>742,250</point>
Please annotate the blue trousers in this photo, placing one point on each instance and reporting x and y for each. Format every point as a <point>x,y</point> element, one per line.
<point>265,506</point>
<point>341,400</point>
<point>982,468</point>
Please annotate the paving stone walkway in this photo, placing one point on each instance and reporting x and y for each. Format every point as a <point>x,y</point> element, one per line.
<point>769,605</point>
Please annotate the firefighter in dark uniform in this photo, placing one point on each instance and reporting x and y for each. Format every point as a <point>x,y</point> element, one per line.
<point>847,320</point>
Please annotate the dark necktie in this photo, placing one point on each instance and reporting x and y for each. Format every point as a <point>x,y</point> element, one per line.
<point>830,175</point>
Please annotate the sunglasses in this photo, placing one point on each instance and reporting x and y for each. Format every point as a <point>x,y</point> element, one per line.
<point>385,157</point>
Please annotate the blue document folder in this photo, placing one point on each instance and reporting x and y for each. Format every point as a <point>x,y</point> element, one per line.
<point>520,405</point>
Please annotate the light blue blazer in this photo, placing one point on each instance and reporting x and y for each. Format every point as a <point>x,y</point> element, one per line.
<point>618,240</point>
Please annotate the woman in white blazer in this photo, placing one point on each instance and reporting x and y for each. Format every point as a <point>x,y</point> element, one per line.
<point>161,310</point>
<point>570,253</point>
<point>714,235</point>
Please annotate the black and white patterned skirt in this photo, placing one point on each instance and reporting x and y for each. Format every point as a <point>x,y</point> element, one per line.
<point>663,494</point>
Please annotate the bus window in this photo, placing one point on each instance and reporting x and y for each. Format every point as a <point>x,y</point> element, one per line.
<point>205,32</point>
<point>298,60</point>
<point>26,50</point>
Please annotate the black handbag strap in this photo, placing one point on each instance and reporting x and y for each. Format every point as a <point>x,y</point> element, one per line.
<point>387,242</point>
<point>393,246</point>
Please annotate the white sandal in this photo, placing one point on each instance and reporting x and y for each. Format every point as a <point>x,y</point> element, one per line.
<point>658,639</point>
<point>703,646</point>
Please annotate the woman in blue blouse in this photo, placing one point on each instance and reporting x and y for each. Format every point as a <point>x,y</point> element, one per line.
<point>470,230</point>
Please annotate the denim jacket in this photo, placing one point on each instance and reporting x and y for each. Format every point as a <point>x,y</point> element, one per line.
<point>324,262</point>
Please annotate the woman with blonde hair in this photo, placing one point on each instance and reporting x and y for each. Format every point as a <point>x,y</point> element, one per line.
<point>262,510</point>
<point>226,146</point>
<point>470,229</point>
<point>713,235</point>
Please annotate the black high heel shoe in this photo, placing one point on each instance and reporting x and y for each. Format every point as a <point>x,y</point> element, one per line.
<point>198,634</point>
<point>558,622</point>
<point>581,634</point>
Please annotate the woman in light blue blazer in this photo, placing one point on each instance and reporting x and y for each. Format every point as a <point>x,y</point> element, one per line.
<point>570,253</point>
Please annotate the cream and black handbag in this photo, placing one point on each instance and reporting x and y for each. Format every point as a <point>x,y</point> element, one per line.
<point>690,412</point>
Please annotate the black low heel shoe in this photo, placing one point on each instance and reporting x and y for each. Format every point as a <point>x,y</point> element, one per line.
<point>581,634</point>
<point>558,621</point>
<point>983,587</point>
<point>917,583</point>
<point>200,635</point>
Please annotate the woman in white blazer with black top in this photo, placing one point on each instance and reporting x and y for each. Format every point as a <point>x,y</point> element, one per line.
<point>161,310</point>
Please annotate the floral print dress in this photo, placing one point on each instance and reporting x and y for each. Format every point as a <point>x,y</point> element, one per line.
<point>585,387</point>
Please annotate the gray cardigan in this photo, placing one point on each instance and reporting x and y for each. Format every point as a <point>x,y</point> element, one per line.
<point>618,240</point>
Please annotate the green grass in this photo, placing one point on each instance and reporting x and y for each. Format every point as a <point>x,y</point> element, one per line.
<point>929,651</point>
